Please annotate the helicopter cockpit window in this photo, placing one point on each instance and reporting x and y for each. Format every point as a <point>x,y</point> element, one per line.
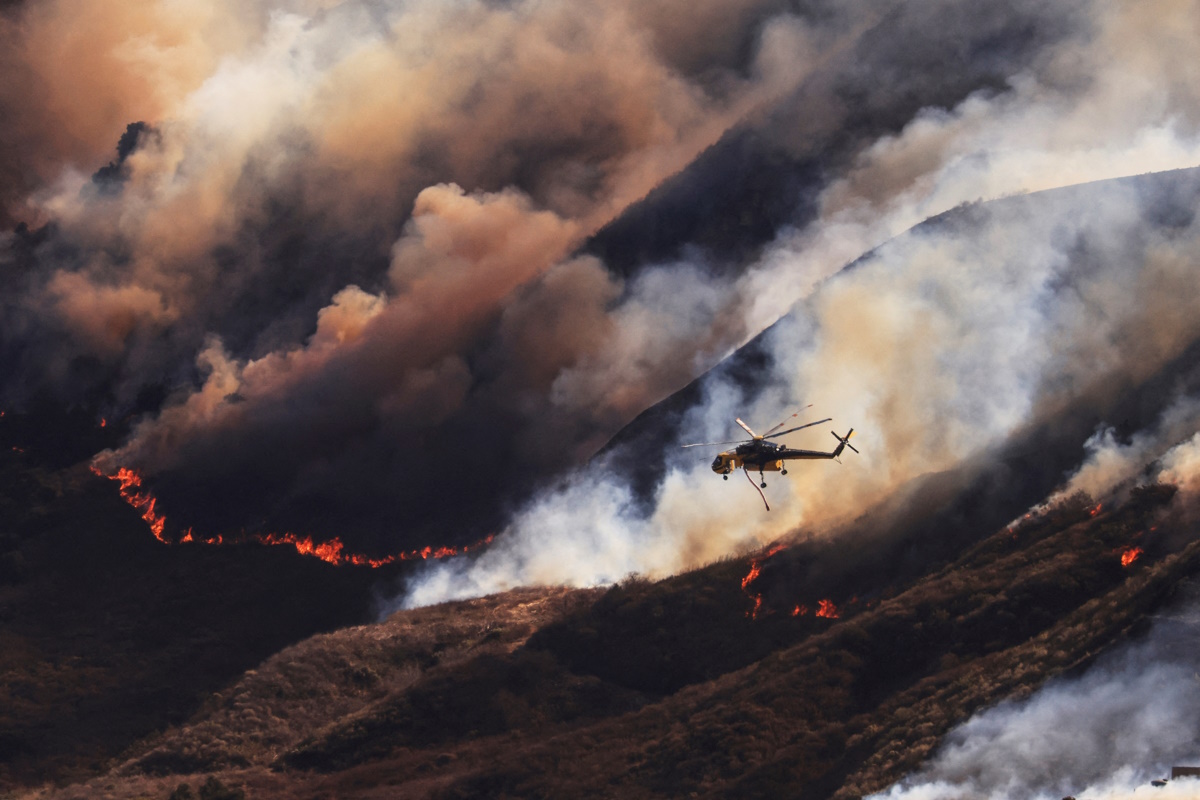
<point>717,462</point>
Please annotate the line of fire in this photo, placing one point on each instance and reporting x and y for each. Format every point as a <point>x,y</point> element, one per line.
<point>332,551</point>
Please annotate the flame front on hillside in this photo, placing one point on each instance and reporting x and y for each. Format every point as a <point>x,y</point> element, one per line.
<point>332,551</point>
<point>752,575</point>
<point>825,608</point>
<point>144,502</point>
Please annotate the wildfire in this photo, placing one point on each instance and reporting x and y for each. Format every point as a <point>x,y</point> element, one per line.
<point>755,568</point>
<point>1130,555</point>
<point>751,575</point>
<point>131,482</point>
<point>332,551</point>
<point>1096,510</point>
<point>826,608</point>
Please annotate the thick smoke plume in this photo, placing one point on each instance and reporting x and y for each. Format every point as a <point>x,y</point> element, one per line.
<point>350,247</point>
<point>341,229</point>
<point>943,344</point>
<point>939,347</point>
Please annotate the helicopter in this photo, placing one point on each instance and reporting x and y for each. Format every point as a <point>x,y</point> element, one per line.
<point>766,456</point>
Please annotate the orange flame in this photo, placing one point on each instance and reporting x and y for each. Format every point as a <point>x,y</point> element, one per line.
<point>332,551</point>
<point>131,482</point>
<point>755,568</point>
<point>800,611</point>
<point>1096,510</point>
<point>103,423</point>
<point>1130,555</point>
<point>751,575</point>
<point>826,608</point>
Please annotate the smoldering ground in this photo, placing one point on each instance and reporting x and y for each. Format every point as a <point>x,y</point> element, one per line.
<point>367,305</point>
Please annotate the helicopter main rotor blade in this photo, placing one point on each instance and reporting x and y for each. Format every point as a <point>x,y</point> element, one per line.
<point>785,422</point>
<point>709,444</point>
<point>746,427</point>
<point>799,427</point>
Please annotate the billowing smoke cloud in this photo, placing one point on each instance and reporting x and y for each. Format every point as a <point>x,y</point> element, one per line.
<point>1113,464</point>
<point>939,347</point>
<point>348,247</point>
<point>942,344</point>
<point>403,175</point>
<point>1107,734</point>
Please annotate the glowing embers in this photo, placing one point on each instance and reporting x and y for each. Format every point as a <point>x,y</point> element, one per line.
<point>1130,555</point>
<point>827,609</point>
<point>332,551</point>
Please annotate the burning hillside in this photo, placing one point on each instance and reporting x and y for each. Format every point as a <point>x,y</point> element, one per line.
<point>658,688</point>
<point>363,282</point>
<point>332,551</point>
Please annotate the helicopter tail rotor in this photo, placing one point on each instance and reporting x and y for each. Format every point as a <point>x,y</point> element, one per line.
<point>844,441</point>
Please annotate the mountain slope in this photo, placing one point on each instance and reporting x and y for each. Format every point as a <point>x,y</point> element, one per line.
<point>108,635</point>
<point>829,707</point>
<point>724,680</point>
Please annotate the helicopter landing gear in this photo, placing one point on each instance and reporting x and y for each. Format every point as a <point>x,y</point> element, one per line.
<point>763,482</point>
<point>783,472</point>
<point>724,477</point>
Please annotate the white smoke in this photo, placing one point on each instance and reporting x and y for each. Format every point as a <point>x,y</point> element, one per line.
<point>938,347</point>
<point>1112,464</point>
<point>1125,722</point>
<point>1137,114</point>
<point>1181,466</point>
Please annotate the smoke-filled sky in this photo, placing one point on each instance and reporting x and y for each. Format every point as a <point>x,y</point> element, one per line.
<point>391,271</point>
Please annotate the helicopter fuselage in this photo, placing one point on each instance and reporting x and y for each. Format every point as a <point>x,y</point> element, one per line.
<point>763,456</point>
